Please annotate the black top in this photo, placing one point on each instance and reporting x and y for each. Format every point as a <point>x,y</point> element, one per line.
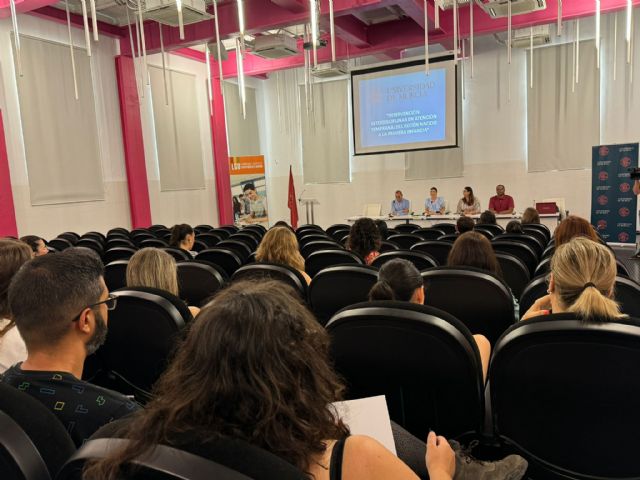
<point>335,465</point>
<point>81,407</point>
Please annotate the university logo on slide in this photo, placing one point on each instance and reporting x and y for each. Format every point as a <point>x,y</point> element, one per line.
<point>602,224</point>
<point>603,199</point>
<point>603,176</point>
<point>624,212</point>
<point>623,237</point>
<point>625,187</point>
<point>625,162</point>
<point>604,151</point>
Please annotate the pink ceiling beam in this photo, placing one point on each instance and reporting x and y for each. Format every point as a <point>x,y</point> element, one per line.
<point>23,6</point>
<point>59,16</point>
<point>352,30</point>
<point>295,6</point>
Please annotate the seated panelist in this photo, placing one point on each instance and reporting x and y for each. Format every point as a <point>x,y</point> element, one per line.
<point>399,206</point>
<point>434,205</point>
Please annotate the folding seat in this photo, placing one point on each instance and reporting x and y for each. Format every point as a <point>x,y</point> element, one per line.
<point>224,258</point>
<point>113,242</point>
<point>339,234</point>
<point>519,249</point>
<point>199,246</point>
<point>34,445</point>
<point>387,246</point>
<point>422,359</point>
<point>627,293</point>
<point>305,238</point>
<point>209,239</point>
<point>71,236</point>
<point>406,228</point>
<point>59,244</point>
<point>162,233</point>
<point>548,251</point>
<point>322,259</point>
<point>535,289</point>
<point>179,254</point>
<point>199,281</point>
<point>304,228</point>
<point>538,226</point>
<point>337,227</point>
<point>241,249</point>
<point>485,232</point>
<point>118,253</point>
<point>139,231</point>
<point>429,233</point>
<point>514,272</point>
<point>118,230</point>
<point>115,274</point>
<point>533,242</point>
<point>449,237</point>
<point>477,298</point>
<point>247,239</point>
<point>221,232</point>
<point>283,273</point>
<point>256,235</point>
<point>405,240</point>
<point>154,243</point>
<point>254,229</point>
<point>448,228</point>
<point>438,249</point>
<point>622,269</point>
<point>543,267</point>
<point>202,229</point>
<point>564,394</point>
<point>92,243</point>
<point>97,235</point>
<point>337,287</point>
<point>229,228</point>
<point>491,227</point>
<point>138,238</point>
<point>420,260</point>
<point>318,245</point>
<point>155,228</point>
<point>537,233</point>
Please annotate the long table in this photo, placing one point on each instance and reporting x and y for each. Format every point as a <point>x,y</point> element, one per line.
<point>550,220</point>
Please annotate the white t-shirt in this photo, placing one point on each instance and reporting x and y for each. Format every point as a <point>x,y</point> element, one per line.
<point>12,347</point>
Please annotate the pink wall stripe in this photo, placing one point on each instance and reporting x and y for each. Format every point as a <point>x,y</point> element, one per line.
<point>221,155</point>
<point>7,212</point>
<point>133,143</point>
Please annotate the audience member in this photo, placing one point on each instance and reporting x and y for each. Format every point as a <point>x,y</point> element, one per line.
<point>468,204</point>
<point>501,203</point>
<point>155,268</point>
<point>399,279</point>
<point>38,247</point>
<point>382,228</point>
<point>282,223</point>
<point>280,245</point>
<point>183,237</point>
<point>13,254</point>
<point>574,226</point>
<point>488,218</point>
<point>472,249</point>
<point>60,305</point>
<point>364,239</point>
<point>434,205</point>
<point>530,216</point>
<point>464,224</point>
<point>514,226</point>
<point>277,396</point>
<point>399,206</point>
<point>582,280</point>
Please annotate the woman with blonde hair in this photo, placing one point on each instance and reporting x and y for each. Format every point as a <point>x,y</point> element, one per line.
<point>154,268</point>
<point>530,216</point>
<point>280,245</point>
<point>582,280</point>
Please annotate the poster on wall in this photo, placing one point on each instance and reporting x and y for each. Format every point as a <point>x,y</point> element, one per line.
<point>249,190</point>
<point>613,204</point>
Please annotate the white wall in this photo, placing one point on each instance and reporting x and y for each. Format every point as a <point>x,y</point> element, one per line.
<point>495,142</point>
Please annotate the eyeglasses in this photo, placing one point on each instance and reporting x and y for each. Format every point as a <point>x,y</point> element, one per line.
<point>111,302</point>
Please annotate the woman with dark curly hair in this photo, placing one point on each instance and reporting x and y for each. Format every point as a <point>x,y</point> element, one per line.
<point>255,367</point>
<point>365,240</point>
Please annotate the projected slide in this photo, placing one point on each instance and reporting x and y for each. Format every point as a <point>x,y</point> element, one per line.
<point>402,108</point>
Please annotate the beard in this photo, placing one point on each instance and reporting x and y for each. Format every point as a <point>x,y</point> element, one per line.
<point>99,335</point>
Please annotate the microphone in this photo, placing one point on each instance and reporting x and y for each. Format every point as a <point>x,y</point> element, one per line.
<point>300,197</point>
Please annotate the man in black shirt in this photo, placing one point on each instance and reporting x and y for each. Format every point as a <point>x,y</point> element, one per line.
<point>60,305</point>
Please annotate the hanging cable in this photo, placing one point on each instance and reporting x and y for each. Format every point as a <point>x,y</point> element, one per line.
<point>94,19</point>
<point>598,34</point>
<point>577,51</point>
<point>628,29</point>
<point>73,59</point>
<point>426,39</point>
<point>559,24</point>
<point>313,7</point>
<point>530,57</point>
<point>144,47</point>
<point>615,45</point>
<point>333,30</point>
<point>164,68</point>
<point>218,43</point>
<point>180,19</point>
<point>471,42</point>
<point>14,21</point>
<point>455,31</point>
<point>85,19</point>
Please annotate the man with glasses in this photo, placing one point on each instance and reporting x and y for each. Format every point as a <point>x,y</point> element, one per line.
<point>60,305</point>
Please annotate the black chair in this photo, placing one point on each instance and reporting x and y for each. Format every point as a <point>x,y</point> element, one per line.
<point>283,273</point>
<point>199,246</point>
<point>113,242</point>
<point>386,246</point>
<point>202,229</point>
<point>221,232</point>
<point>537,233</point>
<point>198,282</point>
<point>548,251</point>
<point>227,459</point>
<point>405,240</point>
<point>138,238</point>
<point>241,249</point>
<point>59,244</point>
<point>305,228</point>
<point>313,237</point>
<point>537,226</point>
<point>255,234</point>
<point>138,231</point>
<point>495,229</point>
<point>533,242</point>
<point>622,269</point>
<point>96,235</point>
<point>71,236</point>
<point>115,274</point>
<point>338,235</point>
<point>117,253</point>
<point>406,228</point>
<point>226,259</point>
<point>316,246</point>
<point>475,297</point>
<point>143,331</point>
<point>438,249</point>
<point>179,254</point>
<point>161,233</point>
<point>91,243</point>
<point>561,390</point>
<point>543,267</point>
<point>322,259</point>
<point>156,227</point>
<point>535,289</point>
<point>337,227</point>
<point>429,233</point>
<point>483,231</point>
<point>229,228</point>
<point>337,287</point>
<point>627,293</point>
<point>514,272</point>
<point>521,250</point>
<point>422,359</point>
<point>117,236</point>
<point>447,228</point>
<point>248,239</point>
<point>261,229</point>
<point>449,237</point>
<point>153,243</point>
<point>210,239</point>
<point>119,231</point>
<point>420,260</point>
<point>33,443</point>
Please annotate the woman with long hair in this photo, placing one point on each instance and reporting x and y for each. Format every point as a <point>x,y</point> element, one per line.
<point>155,268</point>
<point>13,254</point>
<point>582,280</point>
<point>468,204</point>
<point>255,367</point>
<point>472,249</point>
<point>530,216</point>
<point>183,237</point>
<point>280,245</point>
<point>365,240</point>
<point>574,226</point>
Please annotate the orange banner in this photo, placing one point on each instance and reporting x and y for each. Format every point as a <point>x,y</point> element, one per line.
<point>246,165</point>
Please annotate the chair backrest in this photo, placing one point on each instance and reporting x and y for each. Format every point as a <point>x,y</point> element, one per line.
<point>387,246</point>
<point>221,232</point>
<point>229,228</point>
<point>202,228</point>
<point>540,227</point>
<point>59,244</point>
<point>543,267</point>
<point>495,229</point>
<point>241,249</point>
<point>118,253</point>
<point>542,237</point>
<point>198,282</point>
<point>283,273</point>
<point>627,293</point>
<point>33,443</point>
<point>483,231</point>
<point>449,237</point>
<point>226,259</point>
<point>420,260</point>
<point>157,226</point>
<point>115,274</point>
<point>422,359</point>
<point>322,259</point>
<point>548,251</point>
<point>405,240</point>
<point>447,228</point>
<point>139,237</point>
<point>514,272</point>
<point>210,239</point>
<point>313,236</point>
<point>337,287</point>
<point>429,233</point>
<point>536,245</point>
<point>372,210</point>
<point>199,246</point>
<point>308,228</point>
<point>438,249</point>
<point>153,242</point>
<point>118,230</point>
<point>338,226</point>
<point>71,236</point>
<point>246,238</point>
<point>143,330</point>
<point>405,228</point>
<point>178,254</point>
<point>118,242</point>
<point>338,235</point>
<point>318,245</point>
<point>560,392</point>
<point>96,235</point>
<point>535,289</point>
<point>519,249</point>
<point>622,269</point>
<point>92,243</point>
<point>253,231</point>
<point>477,298</point>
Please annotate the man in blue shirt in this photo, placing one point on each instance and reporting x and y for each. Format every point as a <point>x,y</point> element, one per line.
<point>434,205</point>
<point>399,206</point>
